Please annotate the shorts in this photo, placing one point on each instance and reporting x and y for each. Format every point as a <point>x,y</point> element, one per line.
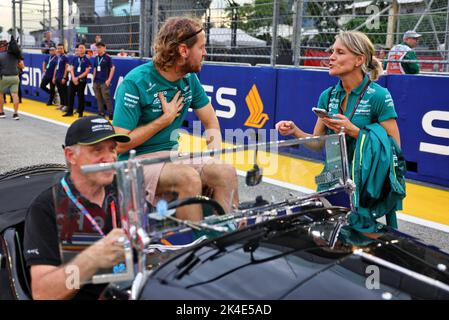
<point>152,172</point>
<point>9,82</point>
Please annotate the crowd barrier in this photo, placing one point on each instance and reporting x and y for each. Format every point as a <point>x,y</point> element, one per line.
<point>246,97</point>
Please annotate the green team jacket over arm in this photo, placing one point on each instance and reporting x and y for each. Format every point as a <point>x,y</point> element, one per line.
<point>378,170</point>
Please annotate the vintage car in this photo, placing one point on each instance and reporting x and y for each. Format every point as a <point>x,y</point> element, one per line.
<point>283,241</point>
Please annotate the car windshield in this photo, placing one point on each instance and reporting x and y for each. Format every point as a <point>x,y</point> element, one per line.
<point>274,178</point>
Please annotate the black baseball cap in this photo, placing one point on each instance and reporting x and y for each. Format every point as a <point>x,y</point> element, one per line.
<point>91,130</point>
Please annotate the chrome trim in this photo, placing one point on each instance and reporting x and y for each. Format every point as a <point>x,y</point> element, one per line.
<point>267,147</point>
<point>163,248</point>
<point>348,183</point>
<point>410,273</point>
<point>138,284</point>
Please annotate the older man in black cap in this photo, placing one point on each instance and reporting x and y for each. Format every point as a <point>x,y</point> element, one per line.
<point>403,52</point>
<point>80,205</point>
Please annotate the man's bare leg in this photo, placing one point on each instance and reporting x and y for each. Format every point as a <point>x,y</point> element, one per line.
<point>222,178</point>
<point>186,182</point>
<point>2,102</point>
<point>15,101</point>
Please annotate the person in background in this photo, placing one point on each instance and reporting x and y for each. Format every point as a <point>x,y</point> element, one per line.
<point>403,52</point>
<point>382,54</point>
<point>11,62</point>
<point>48,70</point>
<point>79,70</point>
<point>47,43</point>
<point>93,46</point>
<point>103,73</point>
<point>21,67</point>
<point>60,75</point>
<point>122,53</point>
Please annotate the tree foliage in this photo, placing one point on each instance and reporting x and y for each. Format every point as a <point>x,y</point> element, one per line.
<point>257,17</point>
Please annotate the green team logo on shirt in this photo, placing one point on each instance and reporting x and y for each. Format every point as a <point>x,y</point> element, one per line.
<point>389,100</point>
<point>130,101</point>
<point>138,103</point>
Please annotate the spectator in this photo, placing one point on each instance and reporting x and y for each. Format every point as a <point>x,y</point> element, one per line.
<point>47,43</point>
<point>93,46</point>
<point>79,70</point>
<point>122,53</point>
<point>88,200</point>
<point>21,67</point>
<point>103,73</point>
<point>48,70</point>
<point>402,52</point>
<point>3,45</point>
<point>60,76</point>
<point>151,105</point>
<point>10,63</point>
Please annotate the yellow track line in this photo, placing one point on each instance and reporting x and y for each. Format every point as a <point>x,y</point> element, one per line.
<point>422,202</point>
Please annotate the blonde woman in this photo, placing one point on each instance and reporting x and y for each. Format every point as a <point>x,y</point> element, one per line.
<point>355,101</point>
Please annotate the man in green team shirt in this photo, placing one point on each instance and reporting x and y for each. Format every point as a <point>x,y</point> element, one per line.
<point>151,105</point>
<point>402,52</point>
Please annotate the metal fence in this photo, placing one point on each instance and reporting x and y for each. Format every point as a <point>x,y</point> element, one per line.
<point>72,22</point>
<point>288,32</point>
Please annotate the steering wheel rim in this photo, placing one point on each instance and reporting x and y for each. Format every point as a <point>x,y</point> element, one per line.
<point>197,200</point>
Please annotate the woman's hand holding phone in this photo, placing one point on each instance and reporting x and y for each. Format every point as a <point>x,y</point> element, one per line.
<point>321,113</point>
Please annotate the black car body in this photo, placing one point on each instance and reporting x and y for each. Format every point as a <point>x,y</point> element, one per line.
<point>293,248</point>
<point>281,259</point>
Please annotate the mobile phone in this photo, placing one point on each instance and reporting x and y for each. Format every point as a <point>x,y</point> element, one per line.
<point>320,112</point>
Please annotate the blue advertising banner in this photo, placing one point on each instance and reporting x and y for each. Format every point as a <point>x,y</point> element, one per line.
<point>257,97</point>
<point>298,93</point>
<point>422,104</point>
<point>32,76</point>
<point>243,97</point>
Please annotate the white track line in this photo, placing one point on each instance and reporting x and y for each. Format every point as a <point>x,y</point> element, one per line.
<point>39,117</point>
<point>401,216</point>
<point>426,223</point>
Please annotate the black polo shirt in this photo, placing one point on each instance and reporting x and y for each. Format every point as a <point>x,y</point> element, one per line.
<point>54,225</point>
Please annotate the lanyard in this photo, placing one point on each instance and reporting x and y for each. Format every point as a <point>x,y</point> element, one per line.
<point>79,63</point>
<point>50,59</point>
<point>340,109</point>
<point>117,268</point>
<point>100,60</point>
<point>80,206</point>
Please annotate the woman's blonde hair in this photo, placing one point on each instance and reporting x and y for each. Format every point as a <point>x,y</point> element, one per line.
<point>176,30</point>
<point>358,43</point>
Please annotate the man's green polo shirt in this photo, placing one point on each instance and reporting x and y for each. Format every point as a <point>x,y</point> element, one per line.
<point>137,104</point>
<point>412,67</point>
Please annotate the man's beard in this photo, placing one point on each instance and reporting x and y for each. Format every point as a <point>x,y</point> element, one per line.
<point>188,67</point>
